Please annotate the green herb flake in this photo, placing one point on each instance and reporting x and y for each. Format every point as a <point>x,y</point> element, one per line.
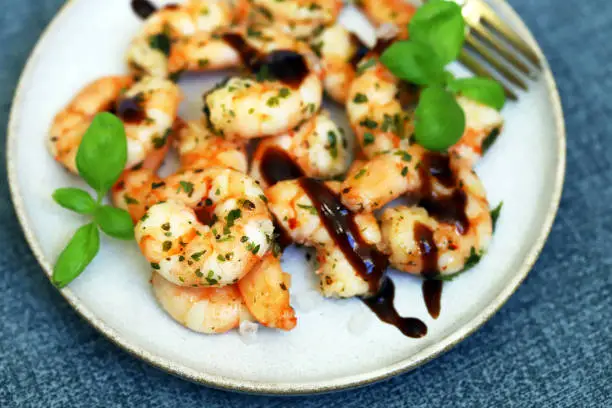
<point>186,186</point>
<point>332,140</point>
<point>308,208</point>
<point>365,65</point>
<point>404,155</point>
<point>369,123</point>
<point>197,255</point>
<point>360,174</point>
<point>360,98</point>
<point>130,200</point>
<point>495,213</point>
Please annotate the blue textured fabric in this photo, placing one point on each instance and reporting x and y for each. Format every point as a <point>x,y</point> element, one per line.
<point>549,346</point>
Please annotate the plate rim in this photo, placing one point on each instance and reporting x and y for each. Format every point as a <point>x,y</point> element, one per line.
<point>302,388</point>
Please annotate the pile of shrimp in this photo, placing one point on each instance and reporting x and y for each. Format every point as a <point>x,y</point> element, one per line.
<point>209,232</point>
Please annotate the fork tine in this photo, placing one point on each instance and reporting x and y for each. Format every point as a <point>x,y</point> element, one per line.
<point>500,48</point>
<point>494,62</point>
<point>473,65</point>
<point>491,19</point>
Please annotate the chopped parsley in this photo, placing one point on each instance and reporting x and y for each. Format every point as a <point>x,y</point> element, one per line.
<point>308,208</point>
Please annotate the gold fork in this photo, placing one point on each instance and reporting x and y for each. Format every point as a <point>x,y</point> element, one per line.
<point>505,54</point>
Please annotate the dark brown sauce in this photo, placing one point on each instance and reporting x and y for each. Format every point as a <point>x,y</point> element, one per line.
<point>276,165</point>
<point>248,54</point>
<point>204,214</point>
<point>448,209</point>
<point>286,66</point>
<point>362,50</point>
<point>432,293</point>
<point>143,8</point>
<point>340,223</point>
<point>423,235</point>
<point>131,110</point>
<point>382,305</point>
<point>382,44</point>
<point>408,95</point>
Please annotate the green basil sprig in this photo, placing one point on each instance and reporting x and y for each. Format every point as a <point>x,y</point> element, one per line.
<point>100,160</point>
<point>437,34</point>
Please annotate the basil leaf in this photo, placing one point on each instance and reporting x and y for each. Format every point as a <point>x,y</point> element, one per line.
<point>440,25</point>
<point>115,222</point>
<point>440,121</point>
<point>484,90</point>
<point>79,252</point>
<point>103,152</point>
<point>414,62</point>
<point>75,199</point>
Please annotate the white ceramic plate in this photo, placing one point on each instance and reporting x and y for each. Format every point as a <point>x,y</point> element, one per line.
<point>337,344</point>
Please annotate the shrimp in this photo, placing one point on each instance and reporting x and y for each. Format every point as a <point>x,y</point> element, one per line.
<point>199,147</point>
<point>444,231</point>
<point>319,147</point>
<point>244,107</point>
<point>340,51</point>
<point>287,91</point>
<point>205,227</point>
<point>389,13</point>
<point>300,18</point>
<point>147,108</point>
<point>204,310</point>
<point>374,108</point>
<point>150,51</point>
<point>265,290</point>
<point>482,125</point>
<point>371,184</point>
<point>294,211</point>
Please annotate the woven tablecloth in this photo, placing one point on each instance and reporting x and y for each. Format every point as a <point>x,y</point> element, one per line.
<point>549,346</point>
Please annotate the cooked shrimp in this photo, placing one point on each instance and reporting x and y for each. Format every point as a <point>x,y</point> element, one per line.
<point>205,310</point>
<point>244,107</point>
<point>205,227</point>
<point>265,290</point>
<point>393,13</point>
<point>481,122</point>
<point>268,105</point>
<point>70,124</point>
<point>296,214</point>
<point>147,108</point>
<point>375,111</point>
<point>340,51</point>
<point>440,235</point>
<point>372,184</point>
<point>319,147</point>
<point>199,147</point>
<point>177,24</point>
<point>300,18</point>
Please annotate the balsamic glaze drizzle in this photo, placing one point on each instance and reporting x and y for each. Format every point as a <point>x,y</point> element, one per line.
<point>432,292</point>
<point>143,8</point>
<point>365,258</point>
<point>276,165</point>
<point>131,110</point>
<point>286,66</point>
<point>382,305</point>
